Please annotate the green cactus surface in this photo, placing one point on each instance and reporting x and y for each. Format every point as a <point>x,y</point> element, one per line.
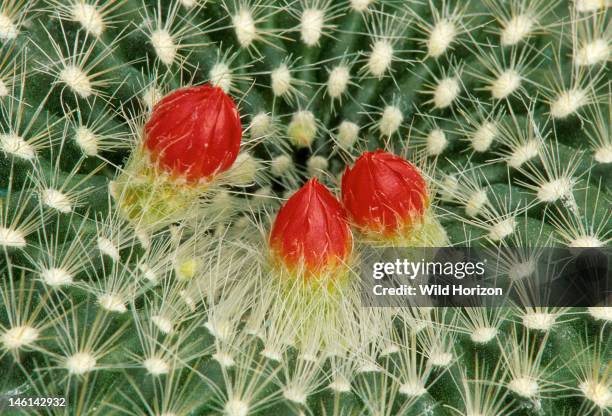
<point>129,290</point>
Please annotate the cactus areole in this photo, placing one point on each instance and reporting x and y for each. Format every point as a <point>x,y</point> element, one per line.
<point>384,194</point>
<point>194,132</point>
<point>311,233</point>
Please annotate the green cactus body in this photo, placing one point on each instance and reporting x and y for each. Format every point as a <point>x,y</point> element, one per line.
<point>128,293</point>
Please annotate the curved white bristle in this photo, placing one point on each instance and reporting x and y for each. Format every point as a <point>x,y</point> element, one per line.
<point>156,366</point>
<point>11,238</point>
<point>77,80</point>
<point>348,133</point>
<point>523,153</point>
<point>593,52</point>
<point>446,91</point>
<point>19,337</point>
<point>57,200</point>
<point>390,120</point>
<point>221,76</point>
<point>89,17</point>
<point>244,27</point>
<point>517,29</point>
<point>436,142</point>
<point>441,37</point>
<point>112,303</point>
<point>568,102</point>
<point>164,45</point>
<point>56,277</point>
<point>281,80</point>
<point>502,229</point>
<point>381,56</point>
<point>483,137</point>
<point>8,29</point>
<point>554,190</point>
<point>505,84</point>
<point>15,145</point>
<point>311,26</point>
<point>338,81</point>
<point>80,363</point>
<point>302,130</point>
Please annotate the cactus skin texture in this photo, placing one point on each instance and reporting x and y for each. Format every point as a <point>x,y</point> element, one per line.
<point>130,291</point>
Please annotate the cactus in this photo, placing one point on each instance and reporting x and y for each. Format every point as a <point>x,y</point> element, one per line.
<point>141,275</point>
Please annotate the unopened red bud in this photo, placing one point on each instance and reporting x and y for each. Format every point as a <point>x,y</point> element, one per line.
<point>384,194</point>
<point>311,231</point>
<point>194,132</point>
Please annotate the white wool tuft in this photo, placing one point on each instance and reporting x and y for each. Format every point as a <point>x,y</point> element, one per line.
<point>311,26</point>
<point>11,238</point>
<point>506,84</point>
<point>302,129</point>
<point>57,200</point>
<point>15,145</point>
<point>89,17</point>
<point>281,80</point>
<point>8,29</point>
<point>523,153</point>
<point>221,76</point>
<point>483,137</point>
<point>502,229</point>
<point>56,277</point>
<point>390,121</point>
<point>517,29</point>
<point>164,46</point>
<point>568,102</point>
<point>554,190</point>
<point>19,337</point>
<point>446,92</point>
<point>244,27</point>
<point>436,142</point>
<point>348,133</point>
<point>381,57</point>
<point>338,81</point>
<point>441,37</point>
<point>593,52</point>
<point>524,386</point>
<point>80,363</point>
<point>75,78</point>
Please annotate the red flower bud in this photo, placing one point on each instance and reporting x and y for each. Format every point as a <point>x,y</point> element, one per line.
<point>311,230</point>
<point>384,194</point>
<point>194,132</point>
